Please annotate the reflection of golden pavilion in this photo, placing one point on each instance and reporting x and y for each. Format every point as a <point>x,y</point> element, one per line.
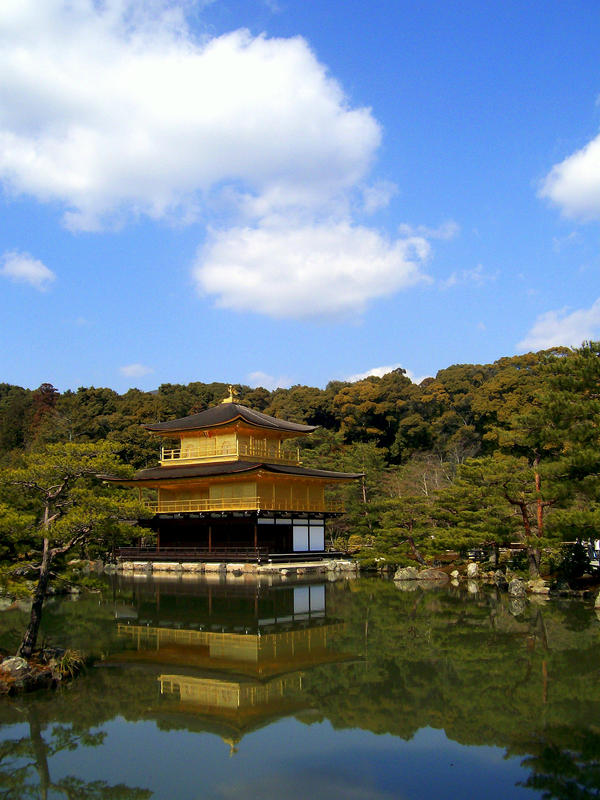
<point>220,693</point>
<point>256,654</point>
<point>240,671</point>
<point>237,705</point>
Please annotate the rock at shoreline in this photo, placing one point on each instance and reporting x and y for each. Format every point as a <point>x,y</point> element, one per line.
<point>455,574</point>
<point>597,603</point>
<point>472,570</point>
<point>538,586</point>
<point>406,574</point>
<point>516,588</point>
<point>15,666</point>
<point>433,575</point>
<point>18,675</point>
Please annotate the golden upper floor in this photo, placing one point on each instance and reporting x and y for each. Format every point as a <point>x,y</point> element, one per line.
<point>229,432</point>
<point>230,446</point>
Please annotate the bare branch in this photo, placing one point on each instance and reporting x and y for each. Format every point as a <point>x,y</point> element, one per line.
<point>73,541</point>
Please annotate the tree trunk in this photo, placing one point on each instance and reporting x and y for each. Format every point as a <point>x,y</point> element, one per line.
<point>364,499</point>
<point>539,502</point>
<point>534,555</point>
<point>30,638</point>
<point>416,553</point>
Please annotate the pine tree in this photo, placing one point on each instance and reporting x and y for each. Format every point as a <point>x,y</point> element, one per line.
<point>60,488</point>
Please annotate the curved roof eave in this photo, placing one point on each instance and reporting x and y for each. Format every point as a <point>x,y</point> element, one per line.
<point>225,414</point>
<point>229,469</point>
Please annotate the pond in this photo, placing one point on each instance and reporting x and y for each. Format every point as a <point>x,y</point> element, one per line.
<point>296,689</point>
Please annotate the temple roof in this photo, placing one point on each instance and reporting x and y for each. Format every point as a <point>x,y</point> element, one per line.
<point>224,414</point>
<point>232,468</point>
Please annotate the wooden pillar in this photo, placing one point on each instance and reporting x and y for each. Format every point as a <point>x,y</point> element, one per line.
<point>209,537</point>
<point>255,535</point>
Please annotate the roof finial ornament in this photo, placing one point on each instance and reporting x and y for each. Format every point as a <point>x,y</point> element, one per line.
<point>233,395</point>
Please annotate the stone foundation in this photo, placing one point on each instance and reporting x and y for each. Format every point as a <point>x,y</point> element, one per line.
<point>328,566</point>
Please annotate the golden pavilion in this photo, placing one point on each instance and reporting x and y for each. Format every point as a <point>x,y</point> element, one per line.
<point>230,486</point>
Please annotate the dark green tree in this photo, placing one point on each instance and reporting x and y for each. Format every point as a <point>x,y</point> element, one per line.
<point>60,487</point>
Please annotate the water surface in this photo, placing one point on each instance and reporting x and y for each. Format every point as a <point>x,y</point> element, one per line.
<point>305,689</point>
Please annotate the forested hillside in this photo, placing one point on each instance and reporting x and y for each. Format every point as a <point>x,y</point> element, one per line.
<point>480,454</point>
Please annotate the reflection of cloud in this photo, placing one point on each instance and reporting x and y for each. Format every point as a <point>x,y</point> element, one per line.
<point>316,784</point>
<point>558,327</point>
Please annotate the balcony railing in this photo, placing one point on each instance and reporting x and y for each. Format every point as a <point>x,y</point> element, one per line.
<point>241,504</point>
<point>212,450</point>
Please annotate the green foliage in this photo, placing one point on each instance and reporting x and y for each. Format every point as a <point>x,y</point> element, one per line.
<point>574,561</point>
<point>60,491</point>
<point>504,452</point>
<point>70,663</point>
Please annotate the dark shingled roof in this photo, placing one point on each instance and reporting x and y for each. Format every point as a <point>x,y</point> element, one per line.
<point>224,414</point>
<point>232,468</point>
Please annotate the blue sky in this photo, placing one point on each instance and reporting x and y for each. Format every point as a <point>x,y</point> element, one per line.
<point>276,192</point>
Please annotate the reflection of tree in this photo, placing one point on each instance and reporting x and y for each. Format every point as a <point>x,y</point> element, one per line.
<point>458,662</point>
<point>565,764</point>
<point>25,771</point>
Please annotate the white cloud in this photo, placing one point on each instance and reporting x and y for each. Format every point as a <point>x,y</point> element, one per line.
<point>114,109</point>
<point>379,372</point>
<point>471,277</point>
<point>560,327</point>
<point>268,381</point>
<point>23,268</point>
<point>318,270</point>
<point>560,242</point>
<point>447,230</point>
<point>378,195</point>
<point>135,370</point>
<point>574,184</point>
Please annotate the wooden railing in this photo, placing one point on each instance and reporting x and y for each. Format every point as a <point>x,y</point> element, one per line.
<point>232,552</point>
<point>211,450</point>
<point>241,504</point>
